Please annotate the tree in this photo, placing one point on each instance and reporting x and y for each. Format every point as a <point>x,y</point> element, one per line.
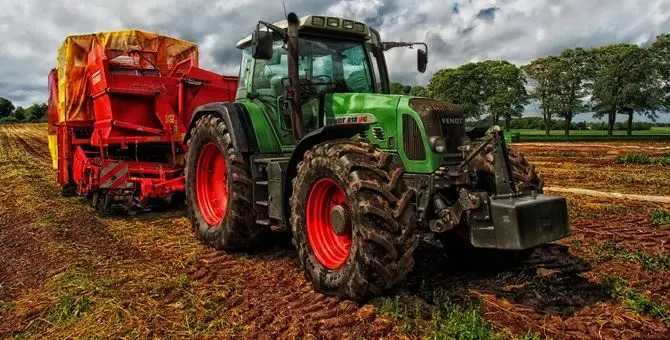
<point>660,56</point>
<point>397,88</point>
<point>464,85</point>
<point>505,90</point>
<point>419,91</point>
<point>574,69</point>
<point>543,76</point>
<point>495,88</point>
<point>36,112</point>
<point>19,113</point>
<point>6,107</point>
<point>624,82</point>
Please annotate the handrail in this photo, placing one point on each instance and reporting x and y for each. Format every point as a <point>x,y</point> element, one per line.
<point>179,64</point>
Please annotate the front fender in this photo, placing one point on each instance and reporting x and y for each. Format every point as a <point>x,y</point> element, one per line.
<point>318,136</point>
<point>237,119</point>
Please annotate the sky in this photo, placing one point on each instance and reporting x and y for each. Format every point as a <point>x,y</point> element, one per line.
<point>457,31</point>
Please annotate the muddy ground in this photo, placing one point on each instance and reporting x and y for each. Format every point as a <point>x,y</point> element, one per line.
<point>66,272</point>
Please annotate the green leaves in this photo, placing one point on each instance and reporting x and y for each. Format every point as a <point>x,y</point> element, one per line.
<point>6,107</point>
<point>493,88</point>
<point>560,84</point>
<point>10,114</point>
<point>625,82</point>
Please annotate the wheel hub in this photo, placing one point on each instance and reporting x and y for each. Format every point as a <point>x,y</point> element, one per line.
<point>339,219</point>
<point>211,184</point>
<point>328,223</point>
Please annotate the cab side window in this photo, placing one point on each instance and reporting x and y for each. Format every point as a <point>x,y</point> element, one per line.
<point>245,67</point>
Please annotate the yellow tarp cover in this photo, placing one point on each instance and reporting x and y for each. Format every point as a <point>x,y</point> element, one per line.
<point>73,53</point>
<point>53,148</point>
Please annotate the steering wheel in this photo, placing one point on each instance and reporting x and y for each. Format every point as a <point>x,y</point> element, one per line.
<point>330,79</point>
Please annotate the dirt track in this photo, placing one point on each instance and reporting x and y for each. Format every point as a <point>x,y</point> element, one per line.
<point>66,272</point>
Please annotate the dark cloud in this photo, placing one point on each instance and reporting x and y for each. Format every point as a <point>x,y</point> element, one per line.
<point>459,31</point>
<point>487,14</point>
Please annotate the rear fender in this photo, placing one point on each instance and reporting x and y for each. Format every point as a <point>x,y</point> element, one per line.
<point>318,136</point>
<point>237,119</point>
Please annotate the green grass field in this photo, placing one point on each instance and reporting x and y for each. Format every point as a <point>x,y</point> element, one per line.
<point>533,135</point>
<point>534,132</point>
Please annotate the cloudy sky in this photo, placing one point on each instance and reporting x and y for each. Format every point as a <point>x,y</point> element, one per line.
<point>457,31</point>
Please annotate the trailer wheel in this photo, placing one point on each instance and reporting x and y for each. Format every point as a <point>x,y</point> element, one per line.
<point>353,220</point>
<point>219,188</point>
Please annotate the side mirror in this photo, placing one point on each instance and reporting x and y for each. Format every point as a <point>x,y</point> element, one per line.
<point>421,60</point>
<point>406,89</point>
<point>261,44</point>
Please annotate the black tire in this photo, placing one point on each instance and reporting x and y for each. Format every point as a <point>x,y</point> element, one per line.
<point>383,219</point>
<point>237,230</point>
<point>525,176</point>
<point>69,190</point>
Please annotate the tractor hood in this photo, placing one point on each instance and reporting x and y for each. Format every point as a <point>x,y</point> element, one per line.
<point>411,126</point>
<point>378,110</point>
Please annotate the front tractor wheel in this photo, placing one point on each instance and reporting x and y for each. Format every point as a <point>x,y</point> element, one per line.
<point>218,188</point>
<point>352,219</point>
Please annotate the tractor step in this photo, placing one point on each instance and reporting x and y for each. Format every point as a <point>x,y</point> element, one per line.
<point>263,183</point>
<point>264,222</point>
<point>262,203</point>
<point>271,159</point>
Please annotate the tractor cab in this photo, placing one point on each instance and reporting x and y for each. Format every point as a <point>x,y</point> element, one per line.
<point>333,56</point>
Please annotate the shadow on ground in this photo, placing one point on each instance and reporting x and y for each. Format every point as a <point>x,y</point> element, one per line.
<point>550,281</point>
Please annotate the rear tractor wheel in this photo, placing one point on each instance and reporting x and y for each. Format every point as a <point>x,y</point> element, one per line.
<point>353,221</point>
<point>219,188</point>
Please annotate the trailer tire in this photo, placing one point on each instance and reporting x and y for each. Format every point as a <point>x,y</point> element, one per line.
<point>380,219</point>
<point>236,228</point>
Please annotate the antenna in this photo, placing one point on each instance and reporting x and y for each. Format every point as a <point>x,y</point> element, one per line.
<point>285,15</point>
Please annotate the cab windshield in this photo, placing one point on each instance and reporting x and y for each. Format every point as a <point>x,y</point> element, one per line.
<point>328,65</point>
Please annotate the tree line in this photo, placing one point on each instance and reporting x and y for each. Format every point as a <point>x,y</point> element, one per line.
<point>610,80</point>
<point>11,114</point>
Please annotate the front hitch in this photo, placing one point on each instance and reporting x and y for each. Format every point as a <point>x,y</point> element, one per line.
<point>510,219</point>
<point>502,169</point>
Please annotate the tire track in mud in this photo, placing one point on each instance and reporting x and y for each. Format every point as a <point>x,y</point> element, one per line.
<point>27,144</point>
<point>272,297</point>
<point>627,230</point>
<point>33,217</point>
<point>555,293</point>
<point>267,296</point>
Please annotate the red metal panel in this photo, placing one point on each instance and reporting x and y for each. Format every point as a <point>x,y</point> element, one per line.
<point>113,175</point>
<point>134,104</point>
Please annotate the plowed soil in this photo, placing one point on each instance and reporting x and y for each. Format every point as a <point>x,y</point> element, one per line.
<point>66,272</point>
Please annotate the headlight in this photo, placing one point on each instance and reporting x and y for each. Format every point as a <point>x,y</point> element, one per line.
<point>439,144</point>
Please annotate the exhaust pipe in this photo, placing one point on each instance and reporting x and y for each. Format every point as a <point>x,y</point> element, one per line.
<point>294,76</point>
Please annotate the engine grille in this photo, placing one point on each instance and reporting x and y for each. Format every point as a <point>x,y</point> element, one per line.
<point>412,141</point>
<point>441,119</point>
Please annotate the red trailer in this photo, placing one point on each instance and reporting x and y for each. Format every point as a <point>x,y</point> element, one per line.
<point>119,107</point>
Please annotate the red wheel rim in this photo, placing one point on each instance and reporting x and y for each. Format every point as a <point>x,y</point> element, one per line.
<point>211,184</point>
<point>331,249</point>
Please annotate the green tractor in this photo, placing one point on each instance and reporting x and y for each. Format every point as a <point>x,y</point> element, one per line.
<point>314,144</point>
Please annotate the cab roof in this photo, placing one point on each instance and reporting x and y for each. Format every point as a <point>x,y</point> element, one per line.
<point>321,22</point>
